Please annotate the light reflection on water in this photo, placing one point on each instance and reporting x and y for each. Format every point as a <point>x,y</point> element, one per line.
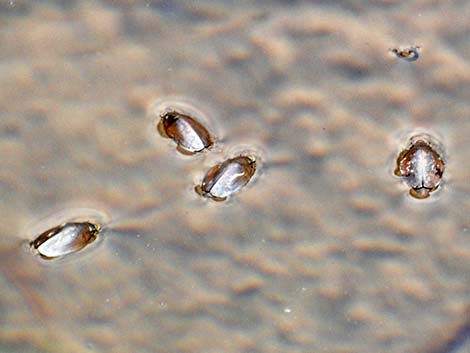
<point>322,251</point>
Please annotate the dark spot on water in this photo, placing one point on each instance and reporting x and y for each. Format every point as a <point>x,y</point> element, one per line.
<point>167,8</point>
<point>10,131</point>
<point>65,4</point>
<point>351,71</point>
<point>18,348</point>
<point>311,170</point>
<point>15,7</point>
<point>36,118</point>
<point>456,342</point>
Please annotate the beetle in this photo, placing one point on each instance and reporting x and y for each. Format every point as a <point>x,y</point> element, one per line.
<point>421,166</point>
<point>227,178</point>
<point>65,239</point>
<point>189,134</point>
<point>408,54</point>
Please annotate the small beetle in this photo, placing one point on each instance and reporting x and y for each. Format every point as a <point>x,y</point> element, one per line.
<point>421,166</point>
<point>408,54</point>
<point>65,239</point>
<point>227,178</point>
<point>189,134</point>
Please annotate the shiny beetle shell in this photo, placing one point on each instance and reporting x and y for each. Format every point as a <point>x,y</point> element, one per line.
<point>189,134</point>
<point>65,239</point>
<point>408,54</point>
<point>227,178</point>
<point>421,166</point>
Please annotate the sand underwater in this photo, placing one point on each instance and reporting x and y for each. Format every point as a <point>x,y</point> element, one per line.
<point>323,251</point>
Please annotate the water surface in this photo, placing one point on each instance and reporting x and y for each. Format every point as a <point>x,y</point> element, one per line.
<point>322,252</point>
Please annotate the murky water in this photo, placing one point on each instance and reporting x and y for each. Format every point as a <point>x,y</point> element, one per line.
<point>323,250</point>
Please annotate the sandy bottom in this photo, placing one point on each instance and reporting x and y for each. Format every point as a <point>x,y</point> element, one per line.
<point>323,251</point>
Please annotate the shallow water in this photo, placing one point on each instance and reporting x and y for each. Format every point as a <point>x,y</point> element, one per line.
<point>324,251</point>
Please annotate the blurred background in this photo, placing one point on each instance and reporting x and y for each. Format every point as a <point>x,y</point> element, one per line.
<point>323,251</point>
